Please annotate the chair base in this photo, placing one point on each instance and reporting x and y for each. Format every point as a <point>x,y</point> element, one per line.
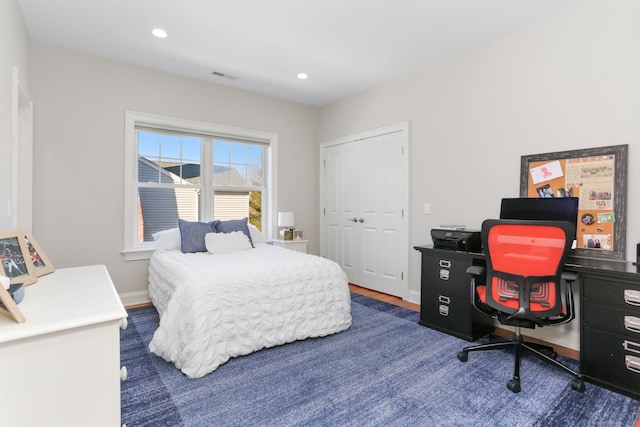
<point>542,352</point>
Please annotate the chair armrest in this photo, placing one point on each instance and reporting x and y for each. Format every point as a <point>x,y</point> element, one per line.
<point>476,270</point>
<point>570,276</point>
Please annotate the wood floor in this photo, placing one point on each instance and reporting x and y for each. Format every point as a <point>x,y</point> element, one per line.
<point>383,297</point>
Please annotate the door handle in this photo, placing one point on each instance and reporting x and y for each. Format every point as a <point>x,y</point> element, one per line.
<point>354,219</point>
<point>361,220</point>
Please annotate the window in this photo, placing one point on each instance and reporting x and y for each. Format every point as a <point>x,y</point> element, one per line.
<point>196,171</point>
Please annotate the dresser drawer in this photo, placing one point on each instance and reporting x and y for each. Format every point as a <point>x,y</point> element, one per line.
<point>448,274</point>
<point>621,321</point>
<point>612,359</point>
<point>608,292</point>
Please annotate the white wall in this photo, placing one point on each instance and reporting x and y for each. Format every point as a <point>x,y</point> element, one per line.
<point>79,151</point>
<point>570,82</point>
<point>14,52</point>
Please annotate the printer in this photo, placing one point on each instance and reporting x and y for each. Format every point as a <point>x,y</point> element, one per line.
<point>456,239</point>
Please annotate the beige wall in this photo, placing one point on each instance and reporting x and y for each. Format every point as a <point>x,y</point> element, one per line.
<point>570,82</point>
<point>79,151</point>
<point>567,83</point>
<point>14,52</point>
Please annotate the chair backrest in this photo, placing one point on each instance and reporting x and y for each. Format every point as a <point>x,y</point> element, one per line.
<point>524,265</point>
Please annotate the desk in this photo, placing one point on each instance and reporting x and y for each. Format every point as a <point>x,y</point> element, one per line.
<point>609,303</point>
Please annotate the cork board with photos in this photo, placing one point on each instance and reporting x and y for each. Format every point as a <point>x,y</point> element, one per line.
<point>597,177</point>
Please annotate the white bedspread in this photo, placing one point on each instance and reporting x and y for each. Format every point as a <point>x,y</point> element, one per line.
<point>214,307</point>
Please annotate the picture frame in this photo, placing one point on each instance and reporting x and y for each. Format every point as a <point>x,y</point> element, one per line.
<point>14,257</point>
<point>9,307</point>
<point>298,234</point>
<point>39,260</point>
<point>598,177</point>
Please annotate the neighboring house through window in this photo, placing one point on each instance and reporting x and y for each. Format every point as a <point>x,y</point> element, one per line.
<point>195,171</point>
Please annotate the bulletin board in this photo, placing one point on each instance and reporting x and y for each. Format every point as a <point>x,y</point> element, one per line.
<point>598,177</point>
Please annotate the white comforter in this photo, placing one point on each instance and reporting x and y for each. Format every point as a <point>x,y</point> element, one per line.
<point>214,307</point>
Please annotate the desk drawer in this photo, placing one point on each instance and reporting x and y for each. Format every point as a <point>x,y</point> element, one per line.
<point>448,274</point>
<point>446,310</point>
<point>612,359</point>
<point>619,293</point>
<point>617,320</point>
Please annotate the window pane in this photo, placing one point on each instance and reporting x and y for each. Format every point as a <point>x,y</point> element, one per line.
<point>160,208</point>
<point>238,164</point>
<point>238,175</point>
<point>254,155</point>
<point>170,149</point>
<point>254,176</point>
<point>236,205</point>
<point>168,158</point>
<point>238,153</point>
<point>255,209</point>
<point>221,174</point>
<point>221,151</point>
<point>191,149</point>
<point>148,144</point>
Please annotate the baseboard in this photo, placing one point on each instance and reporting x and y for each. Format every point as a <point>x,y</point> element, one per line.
<point>134,298</point>
<point>413,297</point>
<point>563,351</point>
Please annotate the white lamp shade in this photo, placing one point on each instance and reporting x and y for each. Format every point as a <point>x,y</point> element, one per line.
<point>285,219</point>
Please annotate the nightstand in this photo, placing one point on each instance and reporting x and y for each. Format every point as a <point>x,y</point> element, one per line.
<point>294,245</point>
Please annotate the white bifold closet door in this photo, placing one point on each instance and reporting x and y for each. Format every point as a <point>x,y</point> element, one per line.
<point>364,221</point>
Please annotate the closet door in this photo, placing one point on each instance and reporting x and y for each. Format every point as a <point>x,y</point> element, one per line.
<point>363,210</point>
<point>343,172</point>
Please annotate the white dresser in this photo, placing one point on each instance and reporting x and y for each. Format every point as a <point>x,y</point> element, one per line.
<point>62,366</point>
<point>294,245</point>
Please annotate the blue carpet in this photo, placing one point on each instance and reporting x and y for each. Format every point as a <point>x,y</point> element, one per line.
<point>386,370</point>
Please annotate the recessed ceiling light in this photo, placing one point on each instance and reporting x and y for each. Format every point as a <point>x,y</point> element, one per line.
<point>160,33</point>
<point>302,76</point>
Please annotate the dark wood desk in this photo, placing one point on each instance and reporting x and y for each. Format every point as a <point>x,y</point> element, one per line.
<point>609,307</point>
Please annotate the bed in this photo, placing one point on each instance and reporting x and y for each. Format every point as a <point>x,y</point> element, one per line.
<point>224,303</point>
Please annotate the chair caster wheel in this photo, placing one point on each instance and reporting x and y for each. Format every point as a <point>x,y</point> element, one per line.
<point>463,356</point>
<point>514,385</point>
<point>578,385</point>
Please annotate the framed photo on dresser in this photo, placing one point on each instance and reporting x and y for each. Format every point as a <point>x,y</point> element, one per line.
<point>14,255</point>
<point>37,257</point>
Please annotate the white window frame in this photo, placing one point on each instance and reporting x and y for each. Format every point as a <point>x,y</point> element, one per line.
<point>134,250</point>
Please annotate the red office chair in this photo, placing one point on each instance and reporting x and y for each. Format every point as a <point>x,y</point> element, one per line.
<point>524,284</point>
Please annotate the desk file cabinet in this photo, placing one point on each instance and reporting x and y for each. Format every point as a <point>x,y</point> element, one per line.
<point>445,300</point>
<point>610,330</point>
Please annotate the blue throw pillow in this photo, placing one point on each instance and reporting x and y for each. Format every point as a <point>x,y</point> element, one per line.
<point>192,235</point>
<point>234,225</point>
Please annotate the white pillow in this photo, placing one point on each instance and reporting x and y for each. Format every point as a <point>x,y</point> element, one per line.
<point>168,240</point>
<point>256,235</point>
<point>225,243</point>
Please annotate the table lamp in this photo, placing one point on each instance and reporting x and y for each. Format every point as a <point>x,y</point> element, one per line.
<point>286,222</point>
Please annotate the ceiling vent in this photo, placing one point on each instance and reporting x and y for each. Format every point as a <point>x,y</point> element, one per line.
<point>223,75</point>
